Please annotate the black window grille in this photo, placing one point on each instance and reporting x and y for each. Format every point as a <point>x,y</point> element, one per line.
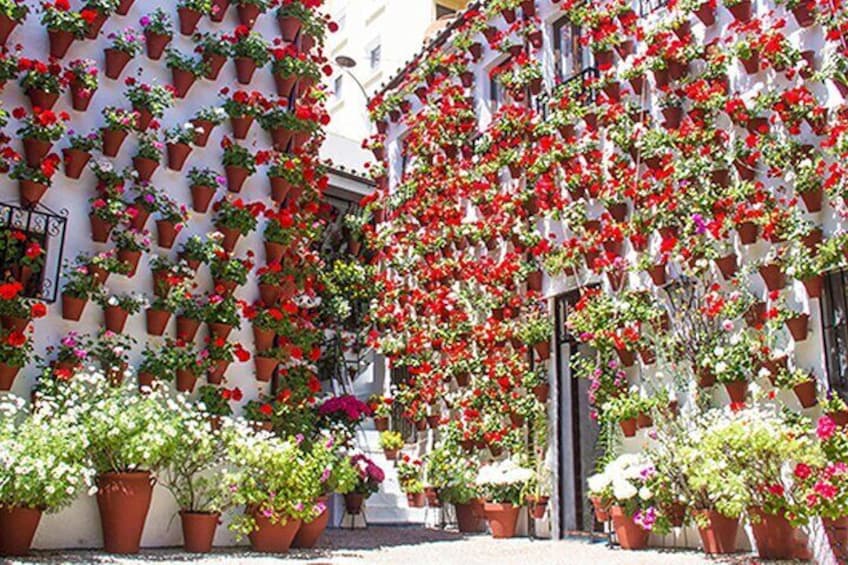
<point>649,6</point>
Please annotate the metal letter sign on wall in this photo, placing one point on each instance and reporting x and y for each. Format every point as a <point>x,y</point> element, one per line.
<point>48,228</point>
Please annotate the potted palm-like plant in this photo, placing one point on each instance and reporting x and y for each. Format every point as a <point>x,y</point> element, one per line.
<point>44,469</point>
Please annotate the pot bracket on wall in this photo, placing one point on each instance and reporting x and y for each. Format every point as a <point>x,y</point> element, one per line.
<point>40,225</point>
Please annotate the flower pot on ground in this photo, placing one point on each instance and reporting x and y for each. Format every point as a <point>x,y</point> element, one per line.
<point>601,509</point>
<point>310,532</point>
<point>17,530</point>
<point>630,535</point>
<point>199,530</point>
<point>269,537</point>
<point>418,500</point>
<point>836,531</point>
<point>718,533</point>
<point>469,517</point>
<point>502,518</point>
<point>774,535</point>
<point>124,501</point>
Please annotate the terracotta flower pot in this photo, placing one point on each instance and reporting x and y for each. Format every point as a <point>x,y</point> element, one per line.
<point>124,7</point>
<point>837,535</point>
<point>72,307</point>
<point>187,328</point>
<point>269,537</point>
<point>803,15</point>
<point>80,96</point>
<point>116,62</point>
<point>199,530</point>
<point>284,84</point>
<point>188,20</point>
<point>630,535</point>
<point>201,197</point>
<point>265,367</point>
<point>203,128</point>
<point>543,349</point>
<point>35,150</point>
<point>353,503</point>
<point>773,276</point>
<point>75,162</point>
<point>177,155</point>
<point>813,199</point>
<point>601,511</point>
<point>41,99</point>
<point>236,177</point>
<point>214,64</point>
<point>183,80</point>
<point>130,258</point>
<point>417,500</point>
<point>538,506</point>
<point>7,26</point>
<point>157,321</point>
<point>145,168</point>
<point>219,10</point>
<point>719,535</point>
<point>280,138</point>
<point>798,326</point>
<point>166,233</point>
<point>17,530</point>
<point>186,380</point>
<point>245,67</point>
<point>112,141</point>
<point>215,374</point>
<point>8,373</point>
<point>60,42</point>
<point>248,13</point>
<point>737,391</point>
<point>727,266</point>
<point>806,393</point>
<point>310,532</point>
<point>676,513</point>
<point>115,318</point>
<point>156,44</point>
<point>219,330</point>
<point>262,339</point>
<point>123,500</point>
<point>773,533</point>
<point>541,392</point>
<point>289,27</point>
<point>381,423</point>
<point>748,232</point>
<point>502,518</point>
<point>31,192</point>
<point>241,126</point>
<point>269,294</point>
<point>468,517</point>
<point>231,237</point>
<point>274,251</point>
<point>628,427</point>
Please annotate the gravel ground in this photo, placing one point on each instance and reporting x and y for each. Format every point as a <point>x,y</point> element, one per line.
<point>410,546</point>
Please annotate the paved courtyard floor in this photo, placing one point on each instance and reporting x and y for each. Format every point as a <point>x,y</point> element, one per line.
<point>410,546</point>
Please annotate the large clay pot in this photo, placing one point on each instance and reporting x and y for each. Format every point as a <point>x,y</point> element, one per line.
<point>198,530</point>
<point>502,518</point>
<point>630,535</point>
<point>123,500</point>
<point>468,517</point>
<point>719,535</point>
<point>72,307</point>
<point>773,533</point>
<point>272,538</point>
<point>310,532</point>
<point>837,535</point>
<point>7,378</point>
<point>116,61</point>
<point>17,529</point>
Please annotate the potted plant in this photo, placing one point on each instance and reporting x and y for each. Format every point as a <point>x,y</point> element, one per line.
<point>157,28</point>
<point>249,10</point>
<point>239,163</point>
<point>111,351</point>
<point>63,26</point>
<point>131,244</point>
<point>204,121</point>
<point>203,183</point>
<point>147,155</point>
<point>15,353</point>
<point>185,70</point>
<point>250,51</point>
<point>42,82</point>
<point>80,285</point>
<point>454,474</point>
<point>215,50</point>
<point>155,366</point>
<point>391,442</point>
<point>45,469</point>
<point>82,77</point>
<point>220,353</point>
<point>381,406</point>
<point>11,15</point>
<point>222,315</point>
<point>33,182</point>
<point>78,153</point>
<point>171,218</point>
<point>190,12</point>
<point>503,483</point>
<point>235,218</point>
<point>95,13</point>
<point>39,131</point>
<point>369,478</point>
<point>119,123</point>
<point>126,44</point>
<point>150,101</point>
<point>117,307</point>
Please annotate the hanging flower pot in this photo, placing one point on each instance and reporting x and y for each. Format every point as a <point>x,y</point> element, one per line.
<point>215,374</point>
<point>145,117</point>
<point>145,168</point>
<point>95,25</point>
<point>157,321</point>
<point>31,192</point>
<point>35,150</point>
<point>706,378</point>
<point>220,330</point>
<point>281,137</point>
<point>748,232</point>
<point>289,27</point>
<point>199,530</point>
<point>8,373</point>
<point>156,43</point>
<point>201,197</point>
<point>116,61</point>
<point>741,11</point>
<point>798,326</point>
<point>813,285</point>
<point>628,427</point>
<point>187,328</point>
<point>263,339</point>
<point>72,307</point>
<point>75,161</point>
<point>803,15</point>
<point>219,10</point>
<point>203,128</point>
<point>727,266</point>
<point>706,13</point>
<point>112,141</point>
<point>124,501</point>
<point>7,26</point>
<point>280,188</point>
<point>186,380</point>
<point>131,258</point>
<point>269,294</point>
<point>541,392</point>
<point>115,318</point>
<point>271,537</point>
<point>214,63</point>
<point>543,349</point>
<point>80,96</point>
<point>60,42</point>
<point>188,20</point>
<point>124,7</point>
<point>813,199</point>
<point>241,125</point>
<point>502,518</point>
<point>265,367</point>
<point>631,536</point>
<point>245,67</point>
<point>773,533</point>
<point>166,233</point>
<point>737,390</point>
<point>751,64</point>
<point>183,80</point>
<point>177,155</point>
<point>236,176</point>
<point>719,535</point>
<point>17,530</point>
<point>40,99</point>
<point>247,14</point>
<point>773,276</point>
<point>806,393</point>
<point>231,237</point>
<point>284,85</point>
<point>657,274</point>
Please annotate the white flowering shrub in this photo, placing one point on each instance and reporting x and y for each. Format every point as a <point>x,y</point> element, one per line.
<point>504,481</point>
<point>625,482</point>
<point>43,461</point>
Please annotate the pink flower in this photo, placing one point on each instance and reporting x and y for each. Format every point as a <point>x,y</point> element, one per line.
<point>825,490</point>
<point>825,428</point>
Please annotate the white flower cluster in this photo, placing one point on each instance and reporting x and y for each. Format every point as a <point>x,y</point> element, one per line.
<point>506,472</point>
<point>623,478</point>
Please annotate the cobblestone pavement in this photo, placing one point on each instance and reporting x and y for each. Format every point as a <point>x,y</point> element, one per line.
<point>410,546</point>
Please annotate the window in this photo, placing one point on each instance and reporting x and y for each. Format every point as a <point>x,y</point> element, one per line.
<point>570,57</point>
<point>337,86</point>
<point>374,56</point>
<point>834,312</point>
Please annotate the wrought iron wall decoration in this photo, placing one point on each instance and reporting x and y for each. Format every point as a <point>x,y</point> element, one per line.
<point>40,225</point>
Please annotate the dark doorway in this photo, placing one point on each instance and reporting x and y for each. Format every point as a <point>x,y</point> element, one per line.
<point>576,431</point>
